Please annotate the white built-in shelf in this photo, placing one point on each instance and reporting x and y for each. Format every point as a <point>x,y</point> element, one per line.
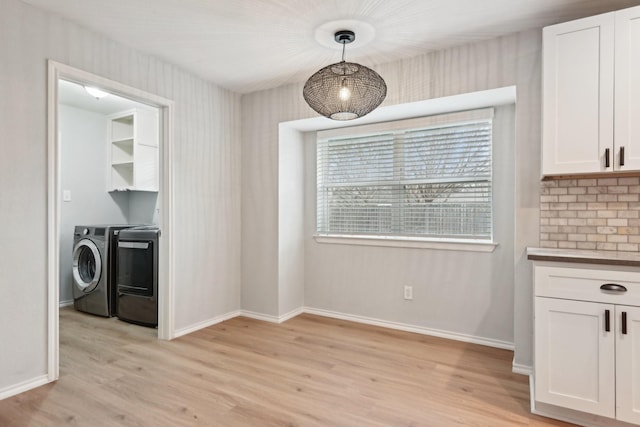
<point>133,151</point>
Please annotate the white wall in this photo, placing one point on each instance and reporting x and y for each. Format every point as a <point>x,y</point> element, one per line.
<point>206,178</point>
<point>83,172</point>
<point>291,191</point>
<point>467,293</point>
<point>506,61</point>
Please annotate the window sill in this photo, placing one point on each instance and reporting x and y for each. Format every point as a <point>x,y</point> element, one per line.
<point>408,242</point>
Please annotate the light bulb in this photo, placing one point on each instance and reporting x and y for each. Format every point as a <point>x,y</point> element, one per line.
<point>345,93</point>
<point>95,92</point>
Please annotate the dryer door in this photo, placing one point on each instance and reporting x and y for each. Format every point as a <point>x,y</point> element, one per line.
<point>87,265</point>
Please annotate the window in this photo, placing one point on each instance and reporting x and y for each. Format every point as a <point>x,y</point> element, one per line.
<point>426,178</point>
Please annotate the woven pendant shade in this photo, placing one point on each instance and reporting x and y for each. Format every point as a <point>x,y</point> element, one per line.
<point>344,90</point>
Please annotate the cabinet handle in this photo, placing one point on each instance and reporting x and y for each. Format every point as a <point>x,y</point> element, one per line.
<point>607,163</point>
<point>607,321</point>
<point>621,156</point>
<point>613,287</point>
<point>624,323</point>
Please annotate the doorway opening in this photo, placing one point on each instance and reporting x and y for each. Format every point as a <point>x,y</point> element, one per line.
<point>99,173</point>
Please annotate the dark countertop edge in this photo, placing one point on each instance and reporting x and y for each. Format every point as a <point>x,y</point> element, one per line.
<point>584,260</point>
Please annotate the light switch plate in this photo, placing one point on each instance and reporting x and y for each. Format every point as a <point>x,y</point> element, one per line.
<point>66,195</point>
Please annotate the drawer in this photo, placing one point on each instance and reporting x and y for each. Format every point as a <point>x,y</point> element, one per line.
<point>562,280</point>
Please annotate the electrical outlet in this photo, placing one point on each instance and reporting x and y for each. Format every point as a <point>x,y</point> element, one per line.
<point>408,292</point>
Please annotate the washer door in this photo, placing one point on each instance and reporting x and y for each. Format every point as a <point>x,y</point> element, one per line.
<point>87,265</point>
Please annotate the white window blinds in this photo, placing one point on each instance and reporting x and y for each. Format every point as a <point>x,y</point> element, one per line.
<point>427,177</point>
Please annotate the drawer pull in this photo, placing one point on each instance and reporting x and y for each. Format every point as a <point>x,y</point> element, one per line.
<point>613,287</point>
<point>607,162</point>
<point>607,321</point>
<point>624,323</point>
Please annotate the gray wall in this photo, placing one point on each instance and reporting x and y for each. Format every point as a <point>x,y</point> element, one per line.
<point>206,164</point>
<point>506,61</point>
<point>84,173</point>
<point>143,207</point>
<point>468,293</point>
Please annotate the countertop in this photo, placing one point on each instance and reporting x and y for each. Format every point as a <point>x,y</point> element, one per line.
<point>585,257</point>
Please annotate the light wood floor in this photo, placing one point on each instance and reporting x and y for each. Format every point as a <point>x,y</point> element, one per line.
<point>307,371</point>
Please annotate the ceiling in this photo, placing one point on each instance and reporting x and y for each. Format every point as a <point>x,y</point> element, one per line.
<point>249,45</point>
<point>75,95</point>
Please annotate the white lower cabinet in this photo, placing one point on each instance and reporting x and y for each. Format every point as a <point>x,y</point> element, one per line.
<point>575,356</point>
<point>628,364</point>
<point>587,350</point>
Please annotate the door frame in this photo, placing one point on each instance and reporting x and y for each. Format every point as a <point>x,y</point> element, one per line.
<point>166,306</point>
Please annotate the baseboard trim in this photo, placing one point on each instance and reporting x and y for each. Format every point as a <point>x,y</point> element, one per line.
<point>259,316</point>
<point>270,318</point>
<point>64,304</point>
<point>569,420</point>
<point>23,386</point>
<point>236,313</point>
<point>206,323</point>
<point>569,415</point>
<point>517,368</point>
<point>575,417</point>
<point>290,315</point>
<point>489,342</point>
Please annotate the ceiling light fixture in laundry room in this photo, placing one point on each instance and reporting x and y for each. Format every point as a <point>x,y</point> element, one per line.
<point>95,92</point>
<point>344,90</point>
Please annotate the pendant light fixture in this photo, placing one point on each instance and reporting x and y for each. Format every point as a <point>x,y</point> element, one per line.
<point>344,90</point>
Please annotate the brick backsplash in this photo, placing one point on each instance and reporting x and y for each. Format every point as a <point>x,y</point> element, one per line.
<point>591,213</point>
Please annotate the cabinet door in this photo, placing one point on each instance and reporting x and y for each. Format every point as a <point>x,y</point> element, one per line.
<point>627,89</point>
<point>146,151</point>
<point>146,164</point>
<point>628,364</point>
<point>575,355</point>
<point>578,61</point>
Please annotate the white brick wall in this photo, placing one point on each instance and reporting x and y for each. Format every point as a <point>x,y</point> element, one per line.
<point>594,213</point>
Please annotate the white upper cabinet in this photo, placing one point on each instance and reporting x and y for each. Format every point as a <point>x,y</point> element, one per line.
<point>627,88</point>
<point>133,151</point>
<point>578,95</point>
<point>590,95</point>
